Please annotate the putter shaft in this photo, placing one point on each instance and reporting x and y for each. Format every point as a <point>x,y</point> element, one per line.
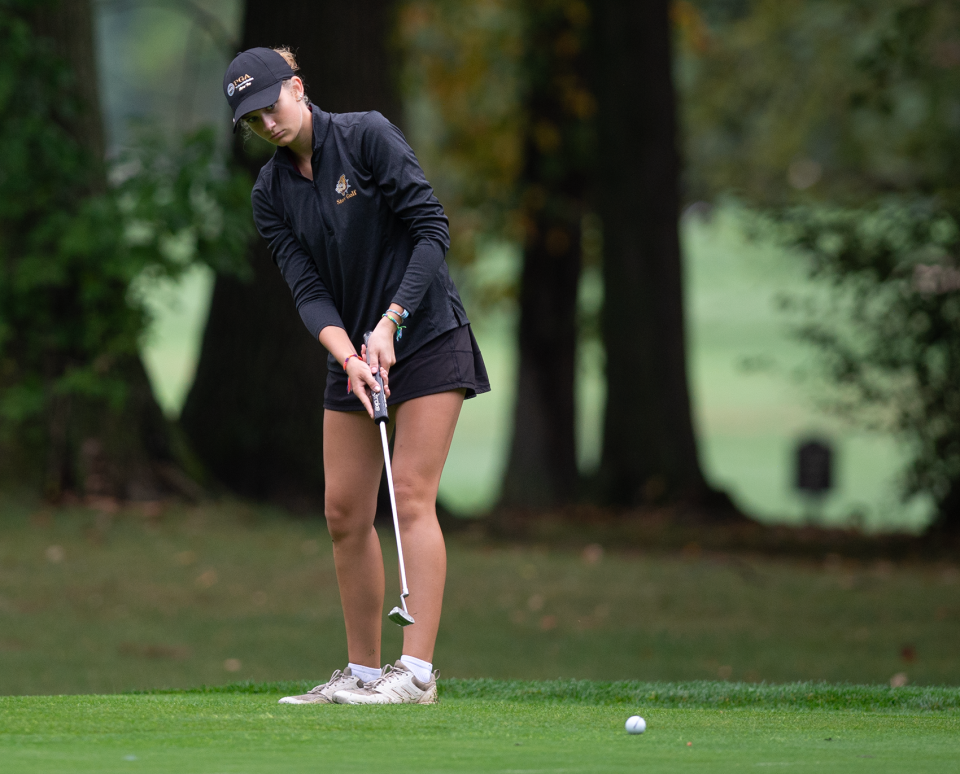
<point>393,507</point>
<point>381,416</point>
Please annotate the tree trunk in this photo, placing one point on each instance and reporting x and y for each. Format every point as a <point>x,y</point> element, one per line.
<point>542,466</point>
<point>649,448</point>
<point>946,522</point>
<point>255,411</point>
<point>68,25</point>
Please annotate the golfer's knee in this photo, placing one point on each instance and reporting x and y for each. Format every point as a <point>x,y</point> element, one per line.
<point>345,520</point>
<point>415,501</point>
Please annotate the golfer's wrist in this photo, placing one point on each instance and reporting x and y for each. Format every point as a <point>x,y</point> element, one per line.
<point>397,315</point>
<point>391,329</point>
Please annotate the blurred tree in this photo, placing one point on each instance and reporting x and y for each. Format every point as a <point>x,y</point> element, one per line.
<point>649,446</point>
<point>803,100</point>
<point>255,411</point>
<point>76,407</point>
<point>521,164</point>
<point>462,83</point>
<point>844,117</point>
<point>502,90</point>
<point>888,330</point>
<point>558,150</point>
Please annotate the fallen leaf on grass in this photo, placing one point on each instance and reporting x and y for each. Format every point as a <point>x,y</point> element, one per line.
<point>206,579</point>
<point>55,554</point>
<point>593,553</point>
<point>899,680</point>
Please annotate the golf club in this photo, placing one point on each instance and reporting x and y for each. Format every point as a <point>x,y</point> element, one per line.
<point>398,615</point>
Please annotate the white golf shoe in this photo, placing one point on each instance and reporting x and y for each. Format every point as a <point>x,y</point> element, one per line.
<point>323,694</point>
<point>396,685</point>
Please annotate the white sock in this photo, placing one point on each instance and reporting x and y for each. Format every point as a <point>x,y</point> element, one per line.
<point>422,670</point>
<point>365,673</point>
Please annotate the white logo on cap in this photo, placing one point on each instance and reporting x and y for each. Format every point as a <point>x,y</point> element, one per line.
<point>239,84</point>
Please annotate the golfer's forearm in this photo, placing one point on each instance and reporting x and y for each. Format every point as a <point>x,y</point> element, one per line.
<point>421,271</point>
<point>336,341</point>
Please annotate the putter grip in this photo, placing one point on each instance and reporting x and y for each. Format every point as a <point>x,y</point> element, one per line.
<point>379,399</point>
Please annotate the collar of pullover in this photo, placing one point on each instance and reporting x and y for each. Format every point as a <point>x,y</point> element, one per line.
<point>321,126</point>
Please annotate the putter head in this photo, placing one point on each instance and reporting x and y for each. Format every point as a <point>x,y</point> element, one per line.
<point>400,617</point>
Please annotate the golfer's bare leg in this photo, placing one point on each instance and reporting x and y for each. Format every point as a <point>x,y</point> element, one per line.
<point>424,431</point>
<point>352,464</point>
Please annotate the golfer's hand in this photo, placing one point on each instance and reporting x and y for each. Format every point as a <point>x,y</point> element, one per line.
<point>361,379</point>
<point>379,353</point>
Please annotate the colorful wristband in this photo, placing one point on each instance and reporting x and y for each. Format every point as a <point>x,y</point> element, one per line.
<point>399,326</point>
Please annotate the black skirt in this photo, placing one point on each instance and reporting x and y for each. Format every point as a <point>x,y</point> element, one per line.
<point>451,361</point>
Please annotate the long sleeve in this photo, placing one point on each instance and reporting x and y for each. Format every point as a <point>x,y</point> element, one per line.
<point>312,298</point>
<point>403,184</point>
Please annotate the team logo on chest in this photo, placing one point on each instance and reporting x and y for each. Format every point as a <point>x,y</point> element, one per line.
<point>343,188</point>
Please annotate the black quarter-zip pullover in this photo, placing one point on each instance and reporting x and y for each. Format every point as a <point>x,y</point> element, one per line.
<point>367,231</point>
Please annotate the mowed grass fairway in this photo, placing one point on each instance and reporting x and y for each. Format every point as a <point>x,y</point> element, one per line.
<point>97,603</point>
<point>92,602</point>
<point>526,728</point>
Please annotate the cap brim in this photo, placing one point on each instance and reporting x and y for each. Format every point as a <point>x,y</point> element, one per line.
<point>261,99</point>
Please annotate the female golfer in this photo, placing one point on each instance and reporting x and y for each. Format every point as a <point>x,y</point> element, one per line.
<point>360,239</point>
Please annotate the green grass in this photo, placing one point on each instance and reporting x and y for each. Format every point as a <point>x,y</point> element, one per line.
<point>508,731</point>
<point>699,694</point>
<point>95,603</point>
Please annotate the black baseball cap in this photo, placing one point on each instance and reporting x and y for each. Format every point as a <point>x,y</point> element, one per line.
<point>254,79</point>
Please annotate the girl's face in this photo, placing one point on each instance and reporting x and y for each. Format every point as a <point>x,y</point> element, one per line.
<point>280,123</point>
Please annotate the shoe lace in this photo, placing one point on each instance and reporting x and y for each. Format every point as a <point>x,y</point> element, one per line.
<point>387,675</point>
<point>334,677</point>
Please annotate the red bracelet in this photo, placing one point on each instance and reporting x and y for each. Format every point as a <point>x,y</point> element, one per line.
<point>347,360</point>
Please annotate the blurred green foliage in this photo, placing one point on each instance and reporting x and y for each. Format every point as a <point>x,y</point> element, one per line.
<point>888,332</point>
<point>74,247</point>
<point>820,99</point>
<point>161,64</point>
<point>472,75</point>
<point>463,86</point>
<point>840,120</point>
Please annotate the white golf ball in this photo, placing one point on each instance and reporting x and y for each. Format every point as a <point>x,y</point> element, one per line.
<point>636,725</point>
